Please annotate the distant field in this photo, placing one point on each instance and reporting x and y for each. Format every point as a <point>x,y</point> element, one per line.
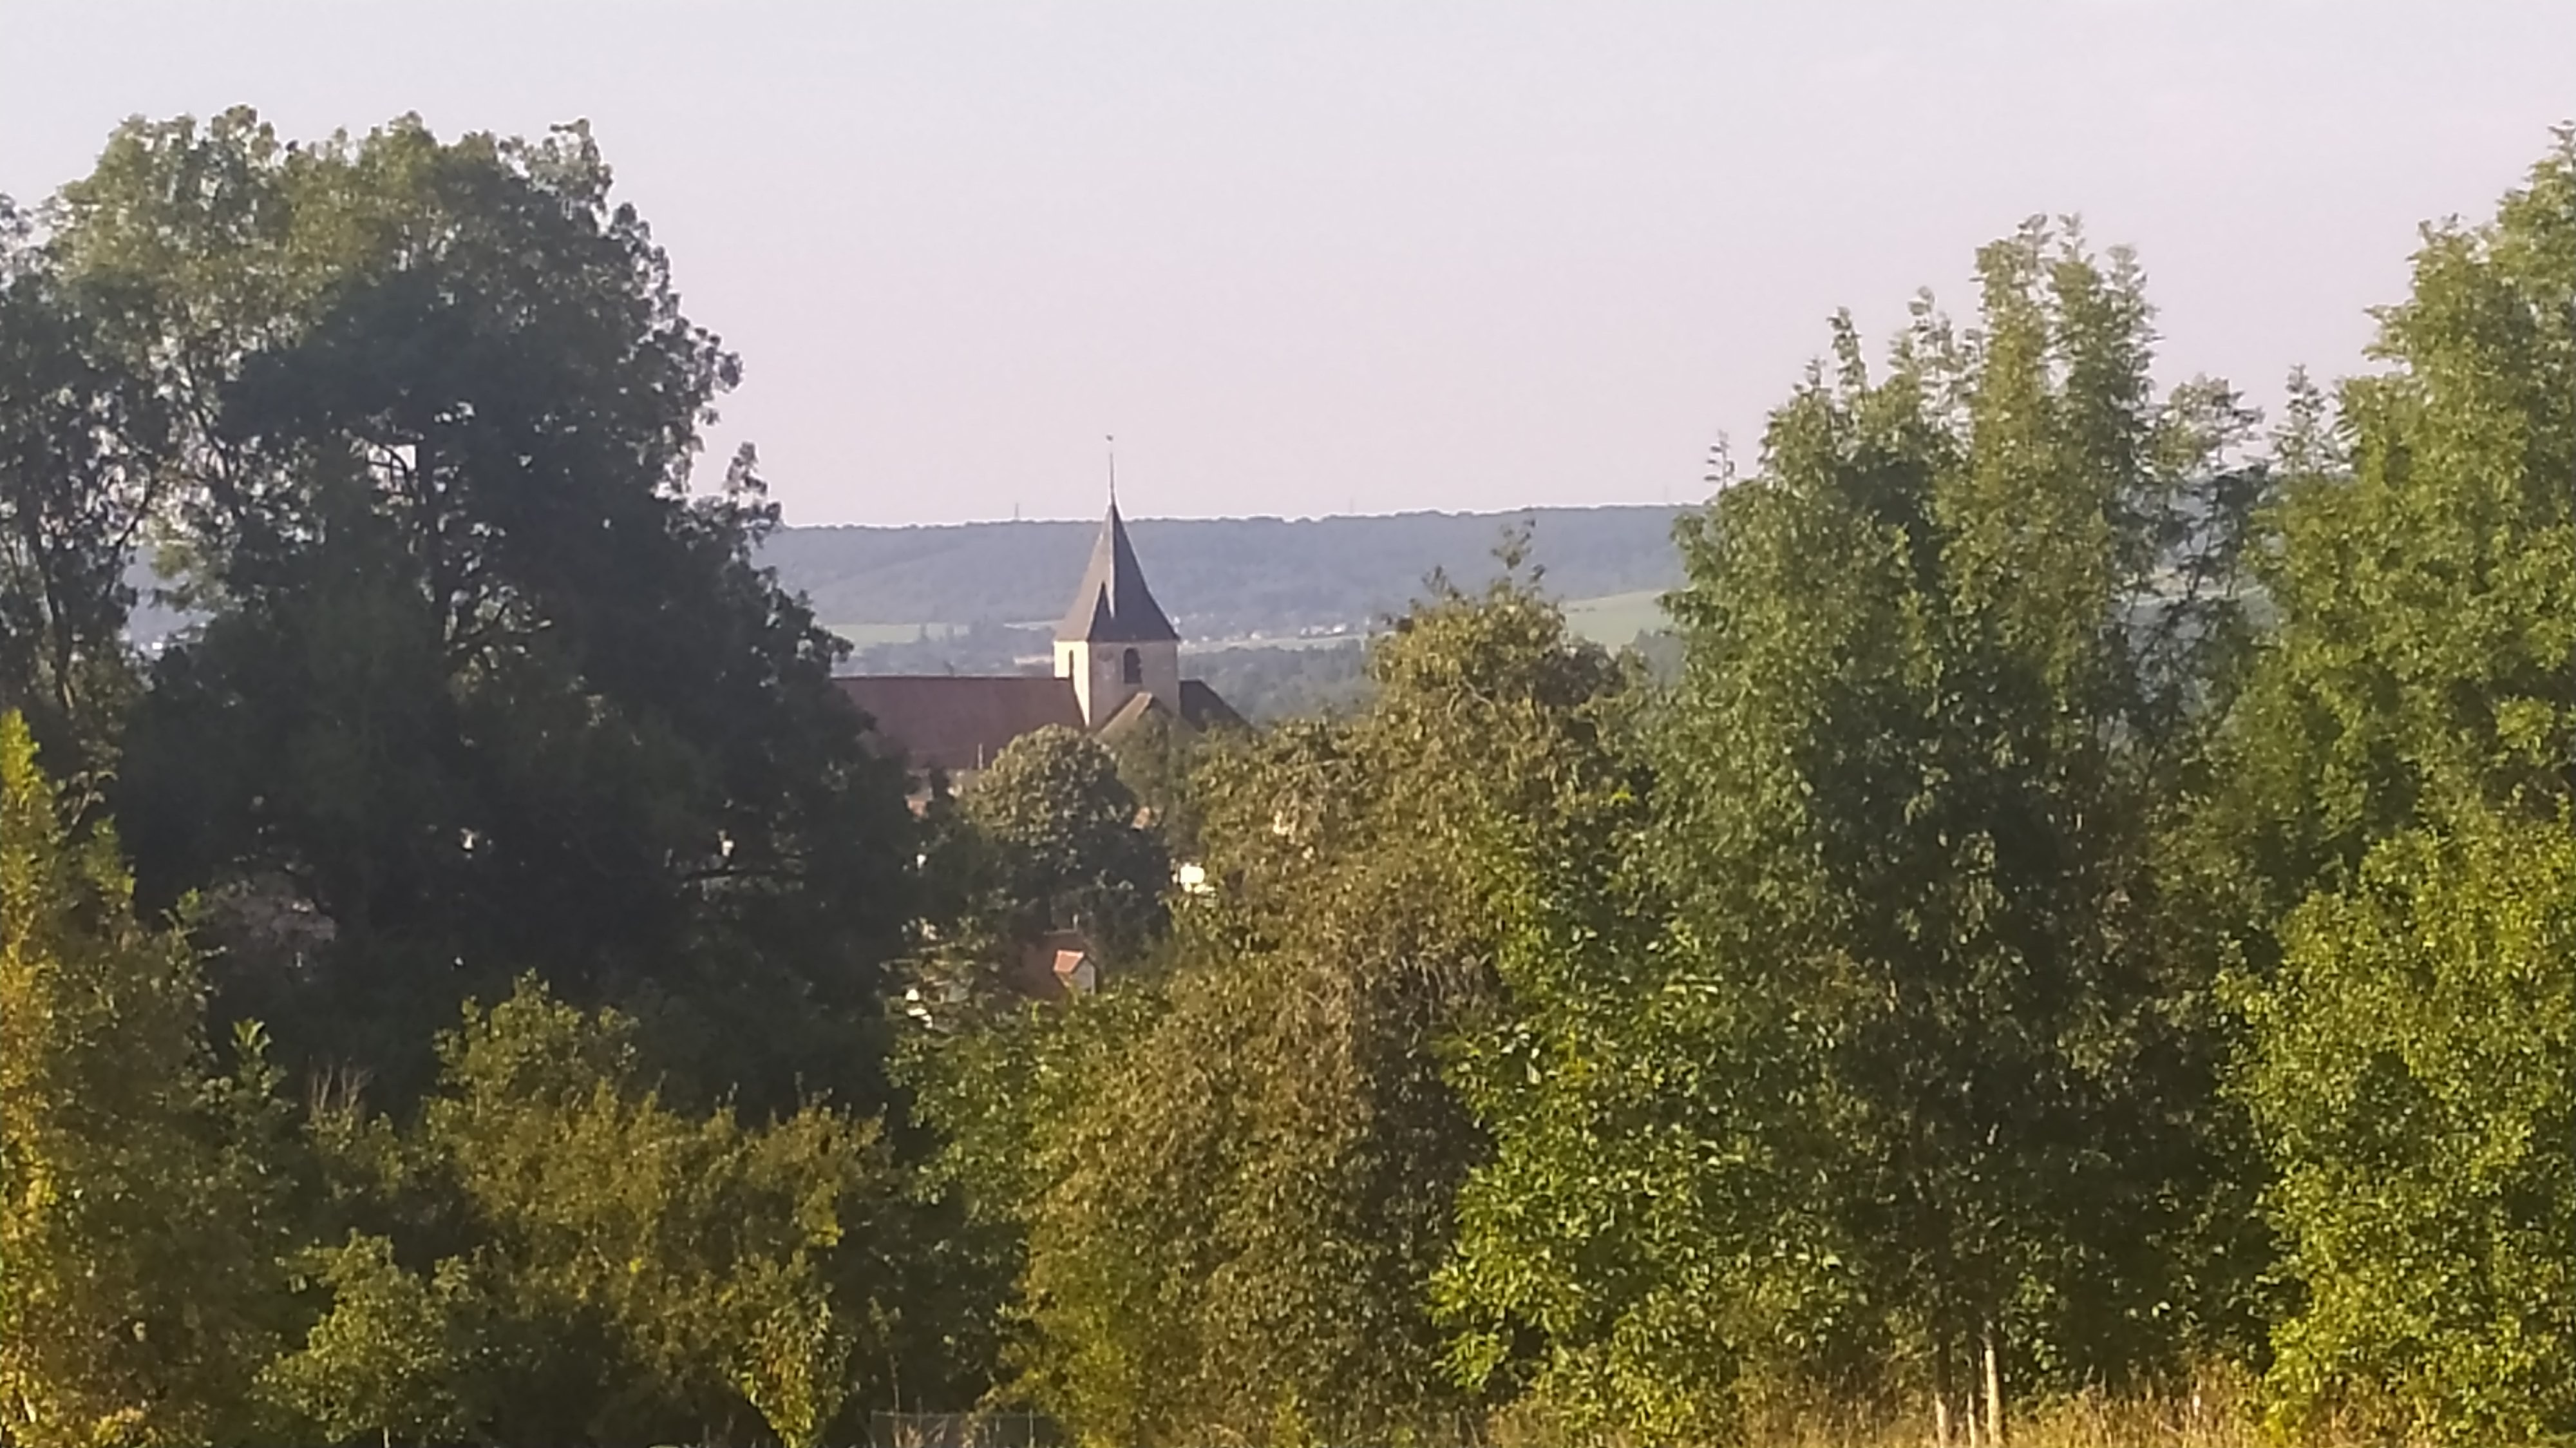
<point>1317,641</point>
<point>869,635</point>
<point>1616,619</point>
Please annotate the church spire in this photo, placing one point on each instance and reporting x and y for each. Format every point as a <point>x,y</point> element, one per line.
<point>1112,603</point>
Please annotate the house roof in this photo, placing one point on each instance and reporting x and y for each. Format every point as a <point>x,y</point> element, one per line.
<point>1112,605</point>
<point>1201,708</point>
<point>1207,709</point>
<point>1055,966</point>
<point>959,722</point>
<point>1138,708</point>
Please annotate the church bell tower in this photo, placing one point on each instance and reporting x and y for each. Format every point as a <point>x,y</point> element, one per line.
<point>1114,642</point>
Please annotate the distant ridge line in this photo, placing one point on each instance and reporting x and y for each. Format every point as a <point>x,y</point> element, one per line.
<point>1216,577</point>
<point>1498,514</point>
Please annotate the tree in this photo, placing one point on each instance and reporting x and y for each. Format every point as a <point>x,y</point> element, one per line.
<point>1156,756</point>
<point>1063,836</point>
<point>482,683</point>
<point>136,1232</point>
<point>1838,1128</point>
<point>2424,657</point>
<point>76,486</point>
<point>992,1080</point>
<point>2401,783</point>
<point>1235,1211</point>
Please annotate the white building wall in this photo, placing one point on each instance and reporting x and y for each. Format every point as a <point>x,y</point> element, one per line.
<point>1072,663</point>
<point>1099,674</point>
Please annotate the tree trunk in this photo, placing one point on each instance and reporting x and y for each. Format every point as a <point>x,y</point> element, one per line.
<point>1994,1393</point>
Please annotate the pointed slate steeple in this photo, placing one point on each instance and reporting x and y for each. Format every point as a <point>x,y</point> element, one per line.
<point>1113,605</point>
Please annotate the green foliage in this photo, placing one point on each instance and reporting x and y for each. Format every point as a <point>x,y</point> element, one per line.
<point>1267,685</point>
<point>593,1265</point>
<point>1674,1061</point>
<point>2424,660</point>
<point>2416,1081</point>
<point>480,683</point>
<point>1235,1215</point>
<point>136,1295</point>
<point>995,1082</point>
<point>77,439</point>
<point>1845,1119</point>
<point>1156,753</point>
<point>1061,833</point>
<point>395,1354</point>
<point>2397,835</point>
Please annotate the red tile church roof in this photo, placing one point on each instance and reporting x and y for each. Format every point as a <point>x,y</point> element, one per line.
<point>959,722</point>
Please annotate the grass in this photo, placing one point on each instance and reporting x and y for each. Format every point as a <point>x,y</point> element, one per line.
<point>868,635</point>
<point>1614,619</point>
<point>2215,1408</point>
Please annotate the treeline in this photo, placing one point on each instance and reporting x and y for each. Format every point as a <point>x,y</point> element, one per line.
<point>2092,916</point>
<point>1266,685</point>
<point>2091,912</point>
<point>471,1028</point>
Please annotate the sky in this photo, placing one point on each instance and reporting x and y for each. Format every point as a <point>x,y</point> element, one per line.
<point>1382,255</point>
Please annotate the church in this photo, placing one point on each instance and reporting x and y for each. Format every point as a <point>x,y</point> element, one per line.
<point>1117,664</point>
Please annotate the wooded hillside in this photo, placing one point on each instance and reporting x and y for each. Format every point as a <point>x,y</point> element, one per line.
<point>1217,577</point>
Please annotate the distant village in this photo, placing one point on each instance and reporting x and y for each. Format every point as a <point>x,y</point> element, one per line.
<point>1117,665</point>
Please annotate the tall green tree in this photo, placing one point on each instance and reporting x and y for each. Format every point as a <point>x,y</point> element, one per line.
<point>2425,581</point>
<point>483,685</point>
<point>78,439</point>
<point>1234,1215</point>
<point>1908,1083</point>
<point>2398,822</point>
<point>137,1228</point>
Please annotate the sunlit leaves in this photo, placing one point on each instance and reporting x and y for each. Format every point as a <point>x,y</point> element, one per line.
<point>2401,793</point>
<point>137,1293</point>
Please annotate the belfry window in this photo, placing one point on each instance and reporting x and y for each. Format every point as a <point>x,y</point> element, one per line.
<point>1131,668</point>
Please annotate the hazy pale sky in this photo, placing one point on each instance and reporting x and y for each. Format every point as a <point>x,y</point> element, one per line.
<point>1323,257</point>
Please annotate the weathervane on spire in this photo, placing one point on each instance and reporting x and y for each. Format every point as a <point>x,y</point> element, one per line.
<point>1113,469</point>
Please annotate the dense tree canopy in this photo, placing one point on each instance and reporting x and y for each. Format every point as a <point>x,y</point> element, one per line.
<point>474,686</point>
<point>596,1266</point>
<point>1852,1103</point>
<point>1236,1214</point>
<point>2085,909</point>
<point>2424,660</point>
<point>481,684</point>
<point>1064,838</point>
